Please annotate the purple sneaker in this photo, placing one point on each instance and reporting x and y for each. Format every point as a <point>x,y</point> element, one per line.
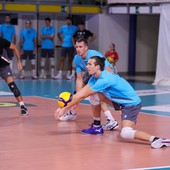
<point>93,130</point>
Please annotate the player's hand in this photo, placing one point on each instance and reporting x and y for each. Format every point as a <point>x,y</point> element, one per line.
<point>19,65</point>
<point>60,112</point>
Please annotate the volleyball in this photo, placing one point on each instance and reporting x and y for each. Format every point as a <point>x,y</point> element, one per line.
<point>110,59</point>
<point>64,99</point>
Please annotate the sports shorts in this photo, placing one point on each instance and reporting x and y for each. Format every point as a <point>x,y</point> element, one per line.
<point>29,54</point>
<point>47,53</point>
<point>5,72</point>
<point>67,51</point>
<point>130,112</point>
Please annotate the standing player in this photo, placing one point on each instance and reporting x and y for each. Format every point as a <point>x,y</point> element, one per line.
<point>81,33</point>
<point>6,73</point>
<point>80,62</point>
<point>7,31</point>
<point>47,48</point>
<point>65,36</point>
<point>112,88</point>
<point>28,42</point>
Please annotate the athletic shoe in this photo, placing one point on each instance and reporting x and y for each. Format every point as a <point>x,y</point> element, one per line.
<point>34,77</point>
<point>42,76</point>
<point>71,77</point>
<point>24,110</point>
<point>68,116</point>
<point>93,130</point>
<point>160,142</point>
<point>22,77</point>
<point>58,76</point>
<point>110,125</point>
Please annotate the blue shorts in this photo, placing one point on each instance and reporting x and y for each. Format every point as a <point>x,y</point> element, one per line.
<point>29,54</point>
<point>67,51</point>
<point>47,53</point>
<point>130,112</point>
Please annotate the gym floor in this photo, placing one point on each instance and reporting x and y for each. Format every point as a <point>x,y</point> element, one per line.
<point>39,142</point>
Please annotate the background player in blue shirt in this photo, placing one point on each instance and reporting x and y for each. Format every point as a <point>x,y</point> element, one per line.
<point>47,47</point>
<point>65,36</point>
<point>7,31</point>
<point>28,42</point>
<point>112,88</point>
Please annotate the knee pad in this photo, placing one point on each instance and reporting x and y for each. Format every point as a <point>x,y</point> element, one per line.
<point>33,62</point>
<point>14,89</point>
<point>42,62</point>
<point>51,61</point>
<point>127,133</point>
<point>94,99</point>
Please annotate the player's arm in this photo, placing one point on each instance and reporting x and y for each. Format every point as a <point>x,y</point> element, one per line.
<point>60,37</point>
<point>79,96</point>
<point>16,51</point>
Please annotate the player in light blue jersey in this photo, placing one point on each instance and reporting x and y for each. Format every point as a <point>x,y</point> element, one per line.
<point>112,88</point>
<point>80,63</point>
<point>47,47</point>
<point>7,31</point>
<point>28,43</point>
<point>67,51</point>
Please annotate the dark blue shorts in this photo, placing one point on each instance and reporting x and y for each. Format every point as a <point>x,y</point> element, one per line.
<point>49,53</point>
<point>29,54</point>
<point>67,51</point>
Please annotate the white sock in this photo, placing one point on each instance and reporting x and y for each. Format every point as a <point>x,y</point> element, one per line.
<point>33,72</point>
<point>21,103</point>
<point>73,72</point>
<point>52,72</point>
<point>73,111</point>
<point>151,138</point>
<point>109,115</point>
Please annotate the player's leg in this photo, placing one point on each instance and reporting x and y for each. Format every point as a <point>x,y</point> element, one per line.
<point>33,64</point>
<point>6,74</point>
<point>10,55</point>
<point>70,61</point>
<point>23,58</point>
<point>52,65</point>
<point>63,55</point>
<point>129,118</point>
<point>111,123</point>
<point>43,60</point>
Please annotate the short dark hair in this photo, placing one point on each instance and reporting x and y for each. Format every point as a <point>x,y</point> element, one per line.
<point>99,61</point>
<point>48,19</point>
<point>70,18</point>
<point>82,23</point>
<point>82,40</point>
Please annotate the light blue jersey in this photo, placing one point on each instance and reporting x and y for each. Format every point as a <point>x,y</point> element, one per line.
<point>81,63</point>
<point>115,88</point>
<point>7,31</point>
<point>67,33</point>
<point>47,31</point>
<point>28,36</point>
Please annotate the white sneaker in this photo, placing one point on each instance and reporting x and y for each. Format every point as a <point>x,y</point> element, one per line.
<point>34,77</point>
<point>42,76</point>
<point>110,125</point>
<point>71,77</point>
<point>68,74</point>
<point>58,76</point>
<point>22,77</point>
<point>161,142</point>
<point>68,116</point>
